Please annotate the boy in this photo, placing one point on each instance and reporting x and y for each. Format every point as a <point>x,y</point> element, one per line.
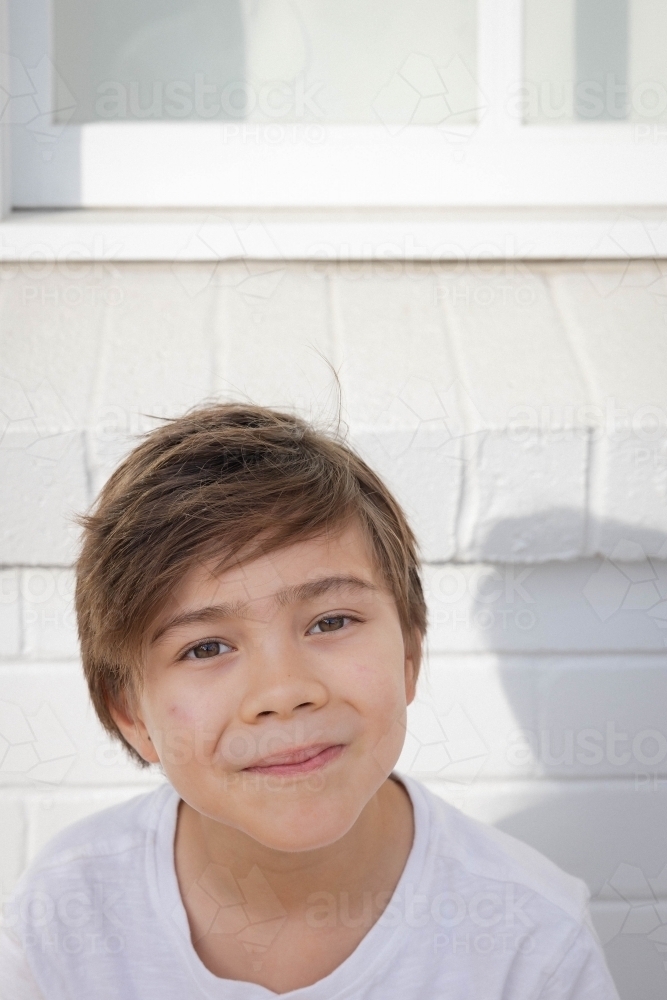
<point>251,619</point>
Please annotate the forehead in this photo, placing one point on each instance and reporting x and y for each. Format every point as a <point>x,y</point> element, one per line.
<point>345,552</point>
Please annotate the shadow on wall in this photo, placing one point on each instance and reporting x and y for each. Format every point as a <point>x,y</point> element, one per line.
<point>580,655</point>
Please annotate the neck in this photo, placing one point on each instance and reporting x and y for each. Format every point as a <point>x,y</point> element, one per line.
<point>369,858</point>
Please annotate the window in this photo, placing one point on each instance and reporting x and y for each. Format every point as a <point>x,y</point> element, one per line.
<point>314,62</point>
<point>596,60</point>
<point>431,103</point>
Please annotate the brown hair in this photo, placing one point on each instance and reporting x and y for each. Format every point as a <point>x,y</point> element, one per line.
<point>244,479</point>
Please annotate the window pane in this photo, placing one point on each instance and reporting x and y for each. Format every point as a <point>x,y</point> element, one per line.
<point>595,60</point>
<point>347,61</point>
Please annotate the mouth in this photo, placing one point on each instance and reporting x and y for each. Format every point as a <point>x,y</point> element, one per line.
<point>301,761</point>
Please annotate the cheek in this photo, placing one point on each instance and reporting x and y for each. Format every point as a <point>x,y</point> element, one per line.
<point>179,714</point>
<point>188,724</point>
<point>376,684</point>
<point>375,679</point>
<point>179,707</point>
<point>182,700</point>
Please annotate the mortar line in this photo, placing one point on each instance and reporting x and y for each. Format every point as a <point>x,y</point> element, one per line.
<point>463,500</point>
<point>584,369</point>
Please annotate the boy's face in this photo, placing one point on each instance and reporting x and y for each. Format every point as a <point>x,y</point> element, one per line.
<point>275,692</point>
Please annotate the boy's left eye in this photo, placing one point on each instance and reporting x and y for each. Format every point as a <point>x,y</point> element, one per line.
<point>331,623</point>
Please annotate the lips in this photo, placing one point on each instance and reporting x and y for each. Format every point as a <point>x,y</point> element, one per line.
<point>299,760</point>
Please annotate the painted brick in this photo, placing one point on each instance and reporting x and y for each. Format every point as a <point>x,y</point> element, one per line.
<point>422,468</point>
<point>10,613</point>
<point>52,316</point>
<point>524,498</point>
<point>156,358</point>
<point>633,934</point>
<point>602,716</point>
<point>13,833</point>
<point>48,345</point>
<point>463,722</point>
<point>49,622</point>
<point>600,831</point>
<point>629,505</point>
<point>604,305</point>
<point>515,363</point>
<point>43,484</point>
<point>49,813</point>
<point>272,338</point>
<point>460,389</point>
<point>50,734</point>
<point>525,488</point>
<point>396,360</point>
<point>588,605</point>
<point>616,319</point>
<point>401,392</point>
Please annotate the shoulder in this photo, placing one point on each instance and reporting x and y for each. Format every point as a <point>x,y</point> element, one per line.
<point>487,854</point>
<point>86,905</point>
<point>98,846</point>
<point>497,907</point>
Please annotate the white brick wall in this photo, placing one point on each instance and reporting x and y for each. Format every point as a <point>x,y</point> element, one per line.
<point>519,413</point>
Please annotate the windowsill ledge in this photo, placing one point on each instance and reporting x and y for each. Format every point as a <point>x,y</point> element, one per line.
<point>334,234</point>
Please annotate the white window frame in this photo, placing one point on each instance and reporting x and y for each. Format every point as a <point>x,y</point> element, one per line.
<point>611,173</point>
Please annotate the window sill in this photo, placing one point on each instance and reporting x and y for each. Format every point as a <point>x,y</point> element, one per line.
<point>334,234</point>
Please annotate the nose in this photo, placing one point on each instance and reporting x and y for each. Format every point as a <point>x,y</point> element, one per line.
<point>280,684</point>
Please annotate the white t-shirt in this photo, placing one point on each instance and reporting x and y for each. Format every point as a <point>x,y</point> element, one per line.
<point>476,915</point>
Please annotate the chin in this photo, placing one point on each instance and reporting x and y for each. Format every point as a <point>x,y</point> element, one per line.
<point>308,828</point>
<point>291,841</point>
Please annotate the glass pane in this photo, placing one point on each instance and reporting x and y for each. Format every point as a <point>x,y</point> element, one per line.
<point>595,60</point>
<point>347,61</point>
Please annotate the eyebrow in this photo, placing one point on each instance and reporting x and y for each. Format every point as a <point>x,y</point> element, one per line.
<point>289,595</point>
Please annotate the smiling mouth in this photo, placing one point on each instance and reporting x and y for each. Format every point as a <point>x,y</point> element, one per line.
<point>298,761</point>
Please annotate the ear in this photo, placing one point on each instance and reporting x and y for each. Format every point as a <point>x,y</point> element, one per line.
<point>133,728</point>
<point>413,654</point>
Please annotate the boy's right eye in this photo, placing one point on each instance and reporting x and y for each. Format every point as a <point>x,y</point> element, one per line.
<point>205,650</point>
